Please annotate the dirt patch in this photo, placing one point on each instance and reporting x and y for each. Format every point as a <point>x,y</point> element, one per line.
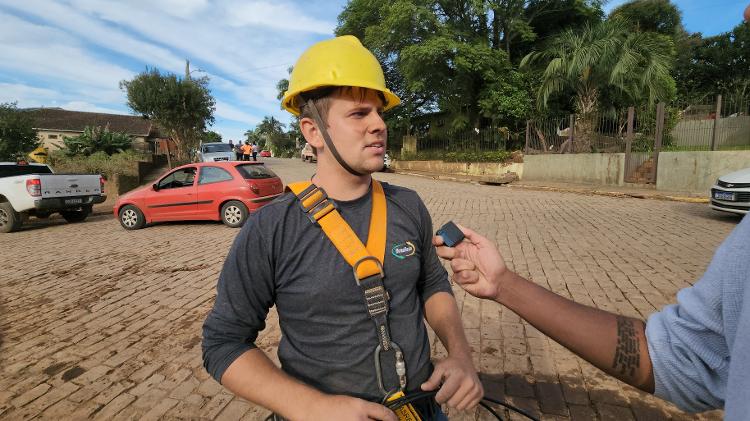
<point>72,373</point>
<point>55,368</point>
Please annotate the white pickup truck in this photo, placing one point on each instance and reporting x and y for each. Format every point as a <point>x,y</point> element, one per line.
<point>34,190</point>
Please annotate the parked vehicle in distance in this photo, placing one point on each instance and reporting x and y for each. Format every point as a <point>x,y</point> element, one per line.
<point>386,162</point>
<point>731,193</point>
<point>28,189</point>
<point>265,153</point>
<point>307,153</point>
<point>215,152</point>
<point>215,191</point>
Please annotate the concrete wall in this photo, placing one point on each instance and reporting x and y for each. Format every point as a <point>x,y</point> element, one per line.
<point>696,172</point>
<point>603,168</point>
<point>478,168</point>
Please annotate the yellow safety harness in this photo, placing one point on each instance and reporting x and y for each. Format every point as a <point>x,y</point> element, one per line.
<point>367,266</point>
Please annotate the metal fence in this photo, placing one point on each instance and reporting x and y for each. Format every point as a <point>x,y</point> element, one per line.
<point>717,124</point>
<point>441,144</point>
<point>722,123</point>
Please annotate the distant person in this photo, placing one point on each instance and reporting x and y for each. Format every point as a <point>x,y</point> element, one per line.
<point>695,353</point>
<point>247,150</point>
<point>231,148</point>
<point>238,151</point>
<point>256,149</point>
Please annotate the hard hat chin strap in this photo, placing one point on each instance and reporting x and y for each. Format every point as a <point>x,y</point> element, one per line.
<point>329,143</point>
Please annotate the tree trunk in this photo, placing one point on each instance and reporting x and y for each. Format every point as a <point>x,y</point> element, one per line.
<point>587,105</point>
<point>496,29</point>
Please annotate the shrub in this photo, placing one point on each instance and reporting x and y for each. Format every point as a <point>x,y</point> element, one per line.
<point>97,139</point>
<point>455,156</point>
<point>125,163</point>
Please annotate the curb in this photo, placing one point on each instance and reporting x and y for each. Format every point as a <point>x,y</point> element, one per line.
<point>633,195</point>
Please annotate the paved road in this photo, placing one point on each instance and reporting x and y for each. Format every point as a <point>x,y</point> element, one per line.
<point>98,322</point>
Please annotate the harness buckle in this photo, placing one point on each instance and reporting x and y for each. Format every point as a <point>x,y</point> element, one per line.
<point>365,259</point>
<point>319,205</point>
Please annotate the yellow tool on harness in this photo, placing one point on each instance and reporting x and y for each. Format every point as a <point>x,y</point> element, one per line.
<point>367,265</point>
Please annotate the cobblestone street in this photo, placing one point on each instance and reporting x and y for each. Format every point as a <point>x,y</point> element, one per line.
<point>98,322</point>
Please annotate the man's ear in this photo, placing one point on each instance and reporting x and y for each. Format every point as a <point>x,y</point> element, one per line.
<point>311,132</point>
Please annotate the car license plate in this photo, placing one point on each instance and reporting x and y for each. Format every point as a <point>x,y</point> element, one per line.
<point>77,201</point>
<point>724,195</point>
<point>221,159</point>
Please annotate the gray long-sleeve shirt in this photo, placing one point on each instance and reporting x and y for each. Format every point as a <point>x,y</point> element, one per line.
<point>280,258</point>
<point>700,347</point>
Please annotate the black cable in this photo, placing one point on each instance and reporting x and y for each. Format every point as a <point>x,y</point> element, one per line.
<point>397,403</point>
<point>489,408</point>
<point>511,407</point>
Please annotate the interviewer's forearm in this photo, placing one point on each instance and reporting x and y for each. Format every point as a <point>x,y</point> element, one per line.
<point>615,344</point>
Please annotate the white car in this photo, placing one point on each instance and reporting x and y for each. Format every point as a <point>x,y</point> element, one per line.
<point>386,162</point>
<point>216,151</point>
<point>34,190</point>
<point>731,193</point>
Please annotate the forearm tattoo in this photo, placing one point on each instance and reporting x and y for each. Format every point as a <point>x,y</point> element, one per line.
<point>627,354</point>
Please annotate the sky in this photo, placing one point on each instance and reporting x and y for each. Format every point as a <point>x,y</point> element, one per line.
<point>73,53</point>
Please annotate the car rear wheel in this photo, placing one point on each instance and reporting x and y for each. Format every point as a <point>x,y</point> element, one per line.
<point>234,213</point>
<point>10,220</point>
<point>74,216</point>
<point>131,218</point>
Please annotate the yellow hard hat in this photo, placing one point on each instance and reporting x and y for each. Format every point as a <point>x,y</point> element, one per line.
<point>341,61</point>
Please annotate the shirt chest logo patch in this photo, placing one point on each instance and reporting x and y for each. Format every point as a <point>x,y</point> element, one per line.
<point>403,250</point>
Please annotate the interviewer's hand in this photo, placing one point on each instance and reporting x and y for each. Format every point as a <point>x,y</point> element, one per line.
<point>476,263</point>
<point>340,407</point>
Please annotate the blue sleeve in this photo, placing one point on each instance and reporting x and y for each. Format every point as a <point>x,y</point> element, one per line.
<point>245,293</point>
<point>688,342</point>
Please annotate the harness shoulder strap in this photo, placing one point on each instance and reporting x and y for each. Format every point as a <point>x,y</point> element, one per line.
<point>366,260</point>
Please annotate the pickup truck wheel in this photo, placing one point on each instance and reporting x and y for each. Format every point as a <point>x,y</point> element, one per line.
<point>233,214</point>
<point>131,218</point>
<point>10,220</point>
<point>74,216</point>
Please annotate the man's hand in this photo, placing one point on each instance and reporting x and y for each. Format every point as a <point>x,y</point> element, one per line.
<point>461,387</point>
<point>340,407</point>
<point>476,263</point>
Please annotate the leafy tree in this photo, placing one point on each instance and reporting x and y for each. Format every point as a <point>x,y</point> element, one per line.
<point>17,134</point>
<point>210,136</point>
<point>97,139</point>
<point>660,16</point>
<point>717,64</point>
<point>604,64</point>
<point>183,107</point>
<point>607,56</point>
<point>454,57</point>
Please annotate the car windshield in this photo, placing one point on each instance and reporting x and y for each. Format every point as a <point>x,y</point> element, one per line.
<point>255,171</point>
<point>219,147</point>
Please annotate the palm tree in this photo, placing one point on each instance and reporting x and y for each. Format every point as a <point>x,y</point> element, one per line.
<point>607,56</point>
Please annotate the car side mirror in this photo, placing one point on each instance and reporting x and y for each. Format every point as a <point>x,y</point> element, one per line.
<point>155,186</point>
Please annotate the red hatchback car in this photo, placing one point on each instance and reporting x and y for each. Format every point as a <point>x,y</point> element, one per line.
<point>216,191</point>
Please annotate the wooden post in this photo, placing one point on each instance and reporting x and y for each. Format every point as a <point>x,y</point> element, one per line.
<point>572,131</point>
<point>629,135</point>
<point>657,139</point>
<point>717,116</point>
<point>629,143</point>
<point>528,135</point>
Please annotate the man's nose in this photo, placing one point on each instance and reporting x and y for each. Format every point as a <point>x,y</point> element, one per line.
<point>377,124</point>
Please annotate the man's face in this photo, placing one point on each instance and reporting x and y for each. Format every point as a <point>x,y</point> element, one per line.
<point>356,127</point>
